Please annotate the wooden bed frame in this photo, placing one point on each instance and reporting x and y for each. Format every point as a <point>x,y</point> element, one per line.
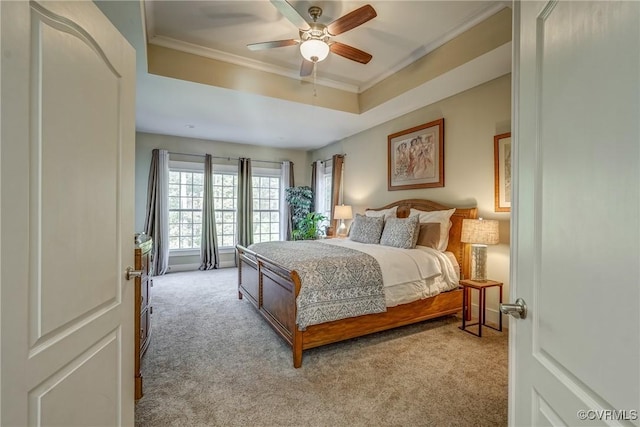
<point>273,290</point>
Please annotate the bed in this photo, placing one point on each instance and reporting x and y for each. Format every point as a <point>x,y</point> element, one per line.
<point>274,289</point>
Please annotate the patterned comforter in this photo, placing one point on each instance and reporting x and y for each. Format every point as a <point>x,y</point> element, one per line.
<point>337,282</point>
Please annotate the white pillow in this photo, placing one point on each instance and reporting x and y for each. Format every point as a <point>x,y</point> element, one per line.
<point>386,213</point>
<point>437,216</point>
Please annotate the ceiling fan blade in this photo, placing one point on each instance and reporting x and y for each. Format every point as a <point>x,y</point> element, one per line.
<point>352,20</point>
<point>306,68</point>
<point>350,52</point>
<point>270,45</point>
<point>291,14</point>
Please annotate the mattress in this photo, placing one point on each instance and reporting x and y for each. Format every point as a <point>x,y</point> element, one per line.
<point>409,274</point>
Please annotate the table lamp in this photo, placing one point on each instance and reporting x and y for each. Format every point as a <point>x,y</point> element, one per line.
<point>480,233</point>
<point>342,212</point>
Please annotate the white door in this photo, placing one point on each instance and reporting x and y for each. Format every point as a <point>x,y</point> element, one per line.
<point>66,197</point>
<point>575,359</point>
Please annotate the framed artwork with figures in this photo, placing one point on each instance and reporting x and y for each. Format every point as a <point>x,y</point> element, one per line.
<point>502,170</point>
<point>416,157</point>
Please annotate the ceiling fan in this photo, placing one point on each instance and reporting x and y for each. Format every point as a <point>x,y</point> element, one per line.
<point>315,39</point>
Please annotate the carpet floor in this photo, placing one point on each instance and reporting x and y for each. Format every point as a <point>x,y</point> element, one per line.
<point>213,361</point>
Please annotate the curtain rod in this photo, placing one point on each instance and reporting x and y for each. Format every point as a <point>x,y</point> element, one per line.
<point>224,158</point>
<point>328,160</point>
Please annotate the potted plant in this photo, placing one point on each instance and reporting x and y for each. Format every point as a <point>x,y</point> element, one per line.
<point>307,228</point>
<point>304,221</point>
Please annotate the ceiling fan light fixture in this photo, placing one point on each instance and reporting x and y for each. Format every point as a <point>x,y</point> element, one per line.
<point>314,50</point>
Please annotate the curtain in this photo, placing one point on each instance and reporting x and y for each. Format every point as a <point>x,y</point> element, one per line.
<point>286,178</point>
<point>314,187</point>
<point>209,256</point>
<point>245,202</point>
<point>156,224</point>
<point>317,185</point>
<point>336,186</point>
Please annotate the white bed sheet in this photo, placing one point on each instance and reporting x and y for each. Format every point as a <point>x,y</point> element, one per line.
<point>409,274</point>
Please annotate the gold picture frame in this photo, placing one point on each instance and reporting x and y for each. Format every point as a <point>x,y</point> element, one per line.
<point>416,157</point>
<point>502,171</point>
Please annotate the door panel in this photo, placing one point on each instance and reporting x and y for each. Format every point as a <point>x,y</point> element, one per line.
<point>66,192</point>
<point>577,212</point>
<point>50,400</point>
<point>74,185</point>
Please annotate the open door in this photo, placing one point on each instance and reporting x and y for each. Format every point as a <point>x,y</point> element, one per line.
<point>66,197</point>
<point>575,358</point>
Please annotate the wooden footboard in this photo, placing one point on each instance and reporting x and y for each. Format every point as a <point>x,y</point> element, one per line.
<point>273,289</point>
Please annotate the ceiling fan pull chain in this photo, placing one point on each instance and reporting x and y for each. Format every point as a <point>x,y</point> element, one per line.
<point>315,92</point>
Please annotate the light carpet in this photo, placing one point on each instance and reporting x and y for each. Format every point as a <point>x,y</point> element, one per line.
<point>213,361</point>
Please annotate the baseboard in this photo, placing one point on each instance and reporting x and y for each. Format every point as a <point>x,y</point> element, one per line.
<point>183,267</point>
<point>228,263</point>
<point>191,267</point>
<point>492,316</point>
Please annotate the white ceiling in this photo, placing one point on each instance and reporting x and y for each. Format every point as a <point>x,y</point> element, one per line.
<point>402,32</point>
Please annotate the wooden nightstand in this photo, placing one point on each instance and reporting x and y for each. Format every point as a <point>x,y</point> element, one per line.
<point>482,304</point>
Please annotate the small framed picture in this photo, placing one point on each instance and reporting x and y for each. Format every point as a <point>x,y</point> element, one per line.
<point>502,170</point>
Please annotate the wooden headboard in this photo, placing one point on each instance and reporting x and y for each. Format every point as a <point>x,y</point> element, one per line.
<point>461,250</point>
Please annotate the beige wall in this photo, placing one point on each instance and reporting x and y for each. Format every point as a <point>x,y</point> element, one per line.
<point>146,142</point>
<point>472,118</point>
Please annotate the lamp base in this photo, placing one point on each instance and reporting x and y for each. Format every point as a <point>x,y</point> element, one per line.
<point>342,229</point>
<point>479,263</point>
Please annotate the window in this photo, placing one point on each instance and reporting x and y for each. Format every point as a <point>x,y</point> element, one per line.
<point>323,191</point>
<point>327,187</point>
<point>186,191</point>
<point>225,199</point>
<point>185,208</point>
<point>266,207</point>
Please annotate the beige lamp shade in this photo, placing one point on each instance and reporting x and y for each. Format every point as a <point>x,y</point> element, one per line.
<point>342,212</point>
<point>480,231</point>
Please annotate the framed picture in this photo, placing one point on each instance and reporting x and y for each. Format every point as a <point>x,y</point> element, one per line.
<point>416,157</point>
<point>502,166</point>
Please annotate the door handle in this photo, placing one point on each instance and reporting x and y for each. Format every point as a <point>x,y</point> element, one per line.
<point>517,310</point>
<point>131,273</point>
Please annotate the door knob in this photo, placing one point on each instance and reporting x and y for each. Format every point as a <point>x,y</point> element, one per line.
<point>517,310</point>
<point>131,273</point>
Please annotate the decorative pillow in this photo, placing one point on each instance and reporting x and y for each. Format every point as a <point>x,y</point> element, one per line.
<point>400,232</point>
<point>386,213</point>
<point>429,235</point>
<point>366,229</point>
<point>441,217</point>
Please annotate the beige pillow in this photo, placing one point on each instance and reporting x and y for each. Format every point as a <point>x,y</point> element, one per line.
<point>429,235</point>
<point>441,217</point>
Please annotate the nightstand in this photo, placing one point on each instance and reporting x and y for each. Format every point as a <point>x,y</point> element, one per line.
<point>481,287</point>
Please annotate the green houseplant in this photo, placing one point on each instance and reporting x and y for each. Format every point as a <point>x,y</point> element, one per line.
<point>307,228</point>
<point>304,221</point>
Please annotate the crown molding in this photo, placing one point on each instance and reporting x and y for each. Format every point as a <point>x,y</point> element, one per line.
<point>426,49</point>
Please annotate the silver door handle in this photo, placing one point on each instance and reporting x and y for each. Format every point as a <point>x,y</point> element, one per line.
<point>517,310</point>
<point>131,273</point>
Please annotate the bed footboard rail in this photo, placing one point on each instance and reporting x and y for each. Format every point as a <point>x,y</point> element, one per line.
<point>273,290</point>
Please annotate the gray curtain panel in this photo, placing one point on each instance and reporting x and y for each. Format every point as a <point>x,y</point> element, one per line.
<point>156,223</point>
<point>245,202</point>
<point>336,186</point>
<point>286,178</point>
<point>314,184</point>
<point>209,256</point>
<point>289,217</point>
